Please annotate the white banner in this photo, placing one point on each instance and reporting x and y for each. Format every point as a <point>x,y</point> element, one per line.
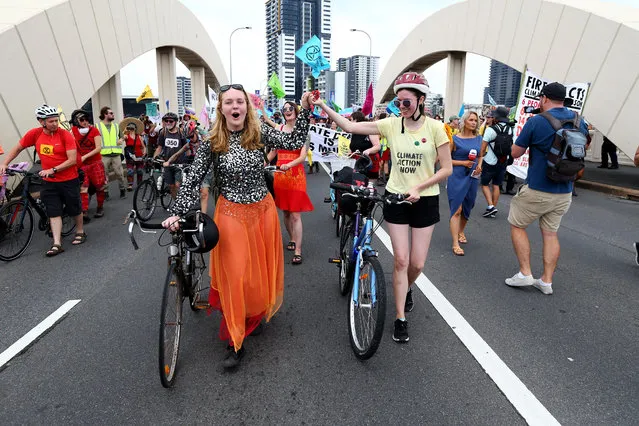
<point>325,142</point>
<point>531,85</point>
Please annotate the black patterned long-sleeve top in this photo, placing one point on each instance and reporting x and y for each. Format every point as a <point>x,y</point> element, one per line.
<point>241,171</point>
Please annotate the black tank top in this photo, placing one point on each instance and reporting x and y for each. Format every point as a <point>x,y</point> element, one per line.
<point>360,143</point>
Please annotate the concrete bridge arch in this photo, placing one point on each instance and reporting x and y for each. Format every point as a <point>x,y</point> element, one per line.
<point>563,40</point>
<point>63,52</point>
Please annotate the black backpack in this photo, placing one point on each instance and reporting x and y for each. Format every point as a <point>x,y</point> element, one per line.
<point>503,142</point>
<point>568,150</point>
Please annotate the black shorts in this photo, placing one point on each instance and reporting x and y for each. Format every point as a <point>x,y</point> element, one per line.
<point>61,197</point>
<point>421,214</point>
<point>492,173</point>
<point>172,175</point>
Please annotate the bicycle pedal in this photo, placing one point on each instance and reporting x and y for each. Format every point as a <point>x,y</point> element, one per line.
<point>335,260</point>
<point>201,305</point>
<point>327,200</point>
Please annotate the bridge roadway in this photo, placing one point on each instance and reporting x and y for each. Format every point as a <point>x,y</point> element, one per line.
<point>575,351</point>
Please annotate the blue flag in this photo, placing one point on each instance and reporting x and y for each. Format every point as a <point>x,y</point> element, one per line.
<point>461,111</point>
<point>391,108</point>
<point>311,55</point>
<point>491,100</point>
<point>167,105</point>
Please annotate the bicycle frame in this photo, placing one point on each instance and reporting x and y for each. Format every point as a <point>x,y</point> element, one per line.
<point>361,246</point>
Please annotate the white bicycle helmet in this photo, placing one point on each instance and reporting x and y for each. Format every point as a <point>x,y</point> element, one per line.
<point>45,111</point>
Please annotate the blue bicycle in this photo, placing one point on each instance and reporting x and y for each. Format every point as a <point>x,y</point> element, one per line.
<point>361,272</point>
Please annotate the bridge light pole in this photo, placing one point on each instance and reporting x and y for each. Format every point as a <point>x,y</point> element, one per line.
<point>370,56</point>
<point>231,52</point>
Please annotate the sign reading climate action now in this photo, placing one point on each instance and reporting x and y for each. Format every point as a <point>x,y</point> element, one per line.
<point>531,85</point>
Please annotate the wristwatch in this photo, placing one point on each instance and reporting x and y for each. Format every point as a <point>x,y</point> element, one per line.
<point>54,170</point>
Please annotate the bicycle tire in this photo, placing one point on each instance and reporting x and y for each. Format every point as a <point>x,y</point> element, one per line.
<point>9,213</point>
<point>345,276</point>
<point>144,200</point>
<point>365,339</point>
<point>170,326</point>
<point>198,266</point>
<point>339,218</point>
<point>68,225</point>
<point>165,196</point>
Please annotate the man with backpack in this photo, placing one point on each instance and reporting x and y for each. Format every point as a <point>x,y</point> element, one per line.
<point>172,145</point>
<point>495,150</point>
<point>556,140</point>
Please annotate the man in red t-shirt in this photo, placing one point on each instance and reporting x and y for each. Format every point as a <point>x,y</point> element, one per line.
<point>61,189</point>
<point>89,145</point>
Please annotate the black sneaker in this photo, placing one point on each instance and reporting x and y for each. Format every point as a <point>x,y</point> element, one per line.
<point>232,359</point>
<point>122,193</point>
<point>490,212</point>
<point>409,305</point>
<point>400,335</point>
<point>257,330</point>
<point>637,251</point>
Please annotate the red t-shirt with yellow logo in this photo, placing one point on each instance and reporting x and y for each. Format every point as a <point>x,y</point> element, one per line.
<point>52,150</point>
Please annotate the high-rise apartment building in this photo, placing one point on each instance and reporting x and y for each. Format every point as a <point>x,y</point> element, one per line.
<point>290,24</point>
<point>184,96</point>
<point>362,71</point>
<point>503,84</point>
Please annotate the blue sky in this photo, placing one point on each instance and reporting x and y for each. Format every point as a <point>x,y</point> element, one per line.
<point>377,17</point>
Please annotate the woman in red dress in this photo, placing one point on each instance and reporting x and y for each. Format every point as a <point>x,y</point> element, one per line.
<point>290,186</point>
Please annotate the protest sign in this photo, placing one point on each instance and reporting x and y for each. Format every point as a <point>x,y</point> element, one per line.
<point>325,143</point>
<point>531,85</point>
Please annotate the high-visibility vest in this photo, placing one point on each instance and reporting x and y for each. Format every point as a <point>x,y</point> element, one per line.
<point>109,139</point>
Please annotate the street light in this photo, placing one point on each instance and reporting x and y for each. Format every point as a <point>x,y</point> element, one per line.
<point>370,54</point>
<point>231,52</point>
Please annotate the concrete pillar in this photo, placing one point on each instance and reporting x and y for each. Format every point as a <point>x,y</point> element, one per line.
<point>110,94</point>
<point>167,79</point>
<point>198,89</point>
<point>455,83</point>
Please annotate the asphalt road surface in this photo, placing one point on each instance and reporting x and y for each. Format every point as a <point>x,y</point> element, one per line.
<point>574,352</point>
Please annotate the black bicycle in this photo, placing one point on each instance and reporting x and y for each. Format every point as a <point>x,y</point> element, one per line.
<point>16,219</point>
<point>185,277</point>
<point>151,189</point>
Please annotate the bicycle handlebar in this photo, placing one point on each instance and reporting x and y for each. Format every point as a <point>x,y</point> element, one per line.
<point>362,191</point>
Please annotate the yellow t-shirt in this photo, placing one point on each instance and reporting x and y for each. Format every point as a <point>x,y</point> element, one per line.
<point>414,153</point>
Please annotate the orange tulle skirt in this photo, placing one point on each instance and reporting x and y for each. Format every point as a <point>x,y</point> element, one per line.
<point>290,186</point>
<point>247,267</point>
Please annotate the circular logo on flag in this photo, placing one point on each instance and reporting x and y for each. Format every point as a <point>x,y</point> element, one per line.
<point>311,52</point>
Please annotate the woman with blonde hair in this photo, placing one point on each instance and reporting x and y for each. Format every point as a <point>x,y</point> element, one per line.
<point>463,183</point>
<point>247,265</point>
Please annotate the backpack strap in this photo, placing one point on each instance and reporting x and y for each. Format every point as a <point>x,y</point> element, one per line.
<point>554,122</point>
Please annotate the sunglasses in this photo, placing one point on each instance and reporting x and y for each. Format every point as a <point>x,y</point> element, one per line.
<point>226,87</point>
<point>406,102</point>
<point>169,121</point>
<point>82,119</point>
<point>288,108</point>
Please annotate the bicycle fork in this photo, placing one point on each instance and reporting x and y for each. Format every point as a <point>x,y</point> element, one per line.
<point>362,250</point>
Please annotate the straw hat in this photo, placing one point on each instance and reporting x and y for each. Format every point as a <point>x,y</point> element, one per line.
<point>139,127</point>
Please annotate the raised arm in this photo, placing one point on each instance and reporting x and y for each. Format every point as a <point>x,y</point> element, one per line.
<point>361,128</point>
<point>289,141</point>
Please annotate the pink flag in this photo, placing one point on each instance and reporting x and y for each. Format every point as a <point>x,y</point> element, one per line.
<point>204,117</point>
<point>367,108</point>
<point>256,100</point>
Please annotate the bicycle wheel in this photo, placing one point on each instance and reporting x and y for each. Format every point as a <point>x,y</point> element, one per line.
<point>366,319</point>
<point>165,196</point>
<point>144,200</point>
<point>68,225</point>
<point>170,325</point>
<point>345,250</point>
<point>198,283</point>
<point>16,232</point>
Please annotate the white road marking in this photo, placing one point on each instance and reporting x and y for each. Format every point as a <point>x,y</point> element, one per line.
<point>35,332</point>
<point>511,386</point>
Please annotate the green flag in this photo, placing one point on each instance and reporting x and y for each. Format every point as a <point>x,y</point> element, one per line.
<point>276,86</point>
<point>335,107</point>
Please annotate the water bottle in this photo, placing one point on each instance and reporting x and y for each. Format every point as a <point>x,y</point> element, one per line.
<point>370,187</point>
<point>159,182</point>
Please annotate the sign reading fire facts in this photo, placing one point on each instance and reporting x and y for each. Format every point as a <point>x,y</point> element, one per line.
<point>532,84</point>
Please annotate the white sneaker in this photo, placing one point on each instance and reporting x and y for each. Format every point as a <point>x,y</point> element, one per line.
<point>546,289</point>
<point>516,281</point>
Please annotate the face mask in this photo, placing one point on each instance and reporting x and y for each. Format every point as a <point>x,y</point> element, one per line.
<point>84,130</point>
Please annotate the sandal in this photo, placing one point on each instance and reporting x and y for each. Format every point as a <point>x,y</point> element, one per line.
<point>80,238</point>
<point>297,259</point>
<point>458,251</point>
<point>55,250</point>
<point>290,246</point>
<point>462,238</point>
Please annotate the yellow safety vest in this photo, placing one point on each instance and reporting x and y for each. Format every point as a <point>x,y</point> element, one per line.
<point>109,139</point>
